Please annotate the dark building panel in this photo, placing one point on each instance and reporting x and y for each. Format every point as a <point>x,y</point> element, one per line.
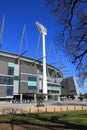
<point>26,72</point>
<point>28,69</point>
<point>3,91</point>
<point>3,67</point>
<point>24,77</point>
<point>69,86</point>
<point>25,89</point>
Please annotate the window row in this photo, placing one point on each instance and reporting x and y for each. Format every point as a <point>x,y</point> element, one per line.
<point>32,87</point>
<point>53,92</point>
<point>50,91</point>
<point>52,85</point>
<point>6,80</point>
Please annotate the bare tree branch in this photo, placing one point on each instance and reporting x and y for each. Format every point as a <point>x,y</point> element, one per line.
<point>72,17</point>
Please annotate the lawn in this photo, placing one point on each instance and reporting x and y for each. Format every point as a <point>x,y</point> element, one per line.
<point>72,120</point>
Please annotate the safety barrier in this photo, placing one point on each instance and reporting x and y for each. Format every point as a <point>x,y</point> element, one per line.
<point>41,109</point>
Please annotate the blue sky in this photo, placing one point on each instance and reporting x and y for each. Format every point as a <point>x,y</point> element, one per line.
<point>20,12</point>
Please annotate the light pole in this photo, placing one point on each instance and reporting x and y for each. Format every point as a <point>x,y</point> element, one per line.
<point>43,32</point>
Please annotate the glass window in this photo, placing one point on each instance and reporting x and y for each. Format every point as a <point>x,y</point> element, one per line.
<point>10,71</point>
<point>1,80</point>
<point>32,87</point>
<point>52,85</point>
<point>32,78</point>
<point>16,77</point>
<point>11,64</point>
<point>5,80</point>
<point>62,86</point>
<point>32,82</point>
<point>53,92</point>
<point>9,91</point>
<point>10,80</point>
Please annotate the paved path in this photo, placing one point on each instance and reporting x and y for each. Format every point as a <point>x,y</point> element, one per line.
<point>13,105</point>
<point>55,103</point>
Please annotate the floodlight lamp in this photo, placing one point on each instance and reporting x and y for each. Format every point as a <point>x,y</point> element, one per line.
<point>41,28</point>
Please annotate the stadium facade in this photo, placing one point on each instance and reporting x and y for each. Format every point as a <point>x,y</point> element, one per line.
<point>22,78</point>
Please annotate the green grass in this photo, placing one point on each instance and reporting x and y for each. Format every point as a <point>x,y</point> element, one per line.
<point>71,118</point>
<point>74,117</point>
<point>77,117</point>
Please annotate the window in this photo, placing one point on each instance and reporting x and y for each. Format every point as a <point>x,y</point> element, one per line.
<point>1,80</point>
<point>52,85</point>
<point>10,80</point>
<point>9,91</point>
<point>62,86</point>
<point>11,64</point>
<point>5,80</point>
<point>16,77</point>
<point>41,91</point>
<point>10,71</point>
<point>53,92</point>
<point>32,82</point>
<point>32,78</point>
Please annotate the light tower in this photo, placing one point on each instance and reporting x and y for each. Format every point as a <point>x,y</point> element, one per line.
<point>43,32</point>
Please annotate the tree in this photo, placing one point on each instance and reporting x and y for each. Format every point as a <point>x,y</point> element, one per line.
<point>72,19</point>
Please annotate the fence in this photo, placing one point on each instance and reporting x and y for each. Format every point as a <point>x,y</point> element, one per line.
<point>41,109</point>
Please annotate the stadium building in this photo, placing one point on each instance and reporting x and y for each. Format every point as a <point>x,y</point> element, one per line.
<point>25,79</point>
<point>21,78</point>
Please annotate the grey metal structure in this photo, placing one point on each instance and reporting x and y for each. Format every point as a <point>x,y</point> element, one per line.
<point>69,87</point>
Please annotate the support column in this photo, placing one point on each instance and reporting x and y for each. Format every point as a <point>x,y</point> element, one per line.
<point>44,67</point>
<point>58,98</point>
<point>21,97</point>
<point>43,32</point>
<point>35,99</point>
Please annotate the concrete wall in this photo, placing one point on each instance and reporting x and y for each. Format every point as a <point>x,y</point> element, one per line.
<point>25,72</point>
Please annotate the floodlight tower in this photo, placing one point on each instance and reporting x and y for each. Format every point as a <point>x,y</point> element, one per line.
<point>43,32</point>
